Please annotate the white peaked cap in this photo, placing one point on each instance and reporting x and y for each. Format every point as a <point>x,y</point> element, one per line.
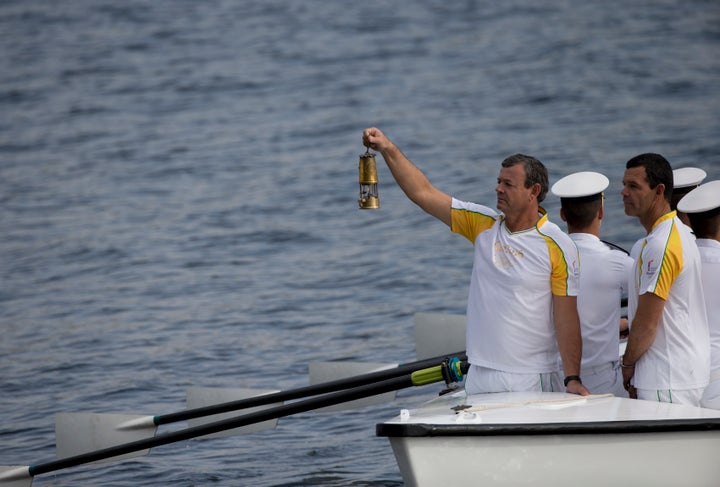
<point>705,197</point>
<point>684,177</point>
<point>580,184</point>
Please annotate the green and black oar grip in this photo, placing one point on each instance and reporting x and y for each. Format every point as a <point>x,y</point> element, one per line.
<point>450,371</point>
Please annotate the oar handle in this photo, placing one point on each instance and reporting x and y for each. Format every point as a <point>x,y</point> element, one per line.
<point>301,392</point>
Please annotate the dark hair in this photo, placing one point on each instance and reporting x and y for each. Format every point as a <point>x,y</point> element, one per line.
<point>705,224</point>
<point>657,171</point>
<point>580,212</point>
<point>535,172</point>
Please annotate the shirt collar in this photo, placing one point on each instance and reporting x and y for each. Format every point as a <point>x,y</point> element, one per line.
<point>666,216</point>
<point>543,217</point>
<point>587,237</point>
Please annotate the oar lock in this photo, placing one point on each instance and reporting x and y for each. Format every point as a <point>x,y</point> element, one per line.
<point>453,371</point>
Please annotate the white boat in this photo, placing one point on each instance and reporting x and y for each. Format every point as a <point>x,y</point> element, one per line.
<point>554,439</point>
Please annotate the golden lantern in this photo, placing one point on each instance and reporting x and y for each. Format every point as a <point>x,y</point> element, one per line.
<point>369,199</point>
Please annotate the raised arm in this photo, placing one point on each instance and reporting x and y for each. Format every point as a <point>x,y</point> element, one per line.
<point>567,330</point>
<point>411,180</point>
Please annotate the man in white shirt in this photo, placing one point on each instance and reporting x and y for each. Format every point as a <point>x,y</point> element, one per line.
<point>604,274</point>
<point>522,299</point>
<point>702,206</point>
<point>667,358</point>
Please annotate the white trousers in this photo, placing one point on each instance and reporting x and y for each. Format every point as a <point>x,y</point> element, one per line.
<point>690,397</point>
<point>484,380</point>
<point>604,379</point>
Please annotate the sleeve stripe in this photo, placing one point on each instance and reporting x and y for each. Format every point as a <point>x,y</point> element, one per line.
<point>671,264</point>
<point>560,278</point>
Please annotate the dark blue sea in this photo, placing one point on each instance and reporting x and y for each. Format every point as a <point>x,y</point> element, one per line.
<point>179,185</point>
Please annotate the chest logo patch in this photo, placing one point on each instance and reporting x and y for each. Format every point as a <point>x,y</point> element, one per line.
<point>505,256</point>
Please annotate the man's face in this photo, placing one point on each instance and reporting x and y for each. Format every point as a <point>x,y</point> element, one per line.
<point>636,193</point>
<point>512,195</point>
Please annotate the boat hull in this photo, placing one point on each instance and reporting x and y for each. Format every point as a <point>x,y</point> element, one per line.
<point>555,439</point>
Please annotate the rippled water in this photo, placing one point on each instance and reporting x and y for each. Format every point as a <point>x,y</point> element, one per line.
<point>178,195</point>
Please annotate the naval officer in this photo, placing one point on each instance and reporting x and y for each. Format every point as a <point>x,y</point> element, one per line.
<point>604,274</point>
<point>702,205</point>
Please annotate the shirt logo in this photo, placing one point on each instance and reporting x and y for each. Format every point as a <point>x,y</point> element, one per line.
<point>650,268</point>
<point>502,255</point>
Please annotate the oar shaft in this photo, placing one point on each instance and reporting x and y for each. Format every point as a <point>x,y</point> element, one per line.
<point>330,399</point>
<point>301,392</point>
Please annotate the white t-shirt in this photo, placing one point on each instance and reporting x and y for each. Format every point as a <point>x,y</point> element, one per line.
<point>710,257</point>
<point>604,275</point>
<point>509,313</point>
<point>667,264</point>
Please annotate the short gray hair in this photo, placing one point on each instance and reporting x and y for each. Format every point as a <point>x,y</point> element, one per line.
<point>535,172</point>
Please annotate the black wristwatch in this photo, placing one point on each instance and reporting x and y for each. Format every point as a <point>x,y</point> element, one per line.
<point>572,377</point>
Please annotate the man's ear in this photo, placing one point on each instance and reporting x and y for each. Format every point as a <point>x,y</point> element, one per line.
<point>535,190</point>
<point>601,213</point>
<point>660,190</point>
<point>562,214</point>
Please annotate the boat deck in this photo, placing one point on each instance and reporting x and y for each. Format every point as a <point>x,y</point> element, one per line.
<point>544,413</point>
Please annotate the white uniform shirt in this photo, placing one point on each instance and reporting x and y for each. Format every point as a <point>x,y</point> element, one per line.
<point>667,264</point>
<point>509,313</point>
<point>710,257</point>
<point>604,275</point>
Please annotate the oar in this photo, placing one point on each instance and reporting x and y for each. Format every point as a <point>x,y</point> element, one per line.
<point>437,333</point>
<point>320,372</point>
<point>450,371</point>
<point>78,433</point>
<point>201,397</point>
